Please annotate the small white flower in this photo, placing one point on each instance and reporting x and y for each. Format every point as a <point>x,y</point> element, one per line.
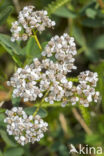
<point>40,95</point>
<point>22,138</point>
<point>14,109</point>
<point>51,102</point>
<point>89,98</point>
<point>53,23</point>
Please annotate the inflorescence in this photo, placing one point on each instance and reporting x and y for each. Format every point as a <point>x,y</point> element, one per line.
<point>24,128</point>
<point>45,78</point>
<point>34,80</point>
<point>30,21</point>
<point>84,93</point>
<point>44,75</point>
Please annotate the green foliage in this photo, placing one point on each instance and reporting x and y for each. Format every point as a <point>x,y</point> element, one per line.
<point>51,8</point>
<point>99,42</point>
<point>17,151</point>
<point>5,13</point>
<point>90,13</point>
<point>16,101</point>
<point>6,139</point>
<point>85,114</point>
<point>95,23</point>
<point>30,110</point>
<point>2,117</point>
<point>64,12</point>
<point>31,50</point>
<point>77,32</point>
<point>12,48</point>
<point>93,139</point>
<point>100,70</point>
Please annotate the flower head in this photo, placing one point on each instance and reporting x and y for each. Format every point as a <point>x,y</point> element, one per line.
<point>64,49</point>
<point>24,128</point>
<point>85,91</point>
<point>30,20</point>
<point>36,79</point>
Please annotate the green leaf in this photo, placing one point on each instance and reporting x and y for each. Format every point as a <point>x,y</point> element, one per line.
<point>101,128</point>
<point>2,110</point>
<point>5,13</point>
<point>93,139</point>
<point>51,8</point>
<point>42,112</point>
<point>2,117</point>
<point>44,44</point>
<point>1,154</point>
<point>11,47</point>
<point>17,151</point>
<point>91,13</point>
<point>31,50</point>
<point>64,12</point>
<point>17,60</point>
<point>93,23</point>
<point>83,42</point>
<point>99,42</point>
<point>78,34</point>
<point>3,76</point>
<point>6,138</point>
<point>100,87</point>
<point>88,5</point>
<point>16,101</point>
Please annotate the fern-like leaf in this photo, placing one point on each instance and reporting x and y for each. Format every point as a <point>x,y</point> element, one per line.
<point>51,8</point>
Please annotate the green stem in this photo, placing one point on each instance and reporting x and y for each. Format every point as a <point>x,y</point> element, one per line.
<point>46,104</point>
<point>81,50</point>
<point>39,105</point>
<point>73,79</point>
<point>37,41</point>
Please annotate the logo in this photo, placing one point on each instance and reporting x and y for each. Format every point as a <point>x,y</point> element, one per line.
<point>73,149</point>
<point>85,149</point>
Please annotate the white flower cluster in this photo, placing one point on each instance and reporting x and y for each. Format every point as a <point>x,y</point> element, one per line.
<point>35,80</point>
<point>46,75</point>
<point>29,21</point>
<point>85,91</point>
<point>88,77</point>
<point>64,49</point>
<point>24,128</point>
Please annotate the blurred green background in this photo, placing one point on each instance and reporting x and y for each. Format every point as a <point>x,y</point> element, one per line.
<point>83,19</point>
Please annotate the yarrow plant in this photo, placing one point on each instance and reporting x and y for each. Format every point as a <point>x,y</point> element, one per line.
<point>46,77</point>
